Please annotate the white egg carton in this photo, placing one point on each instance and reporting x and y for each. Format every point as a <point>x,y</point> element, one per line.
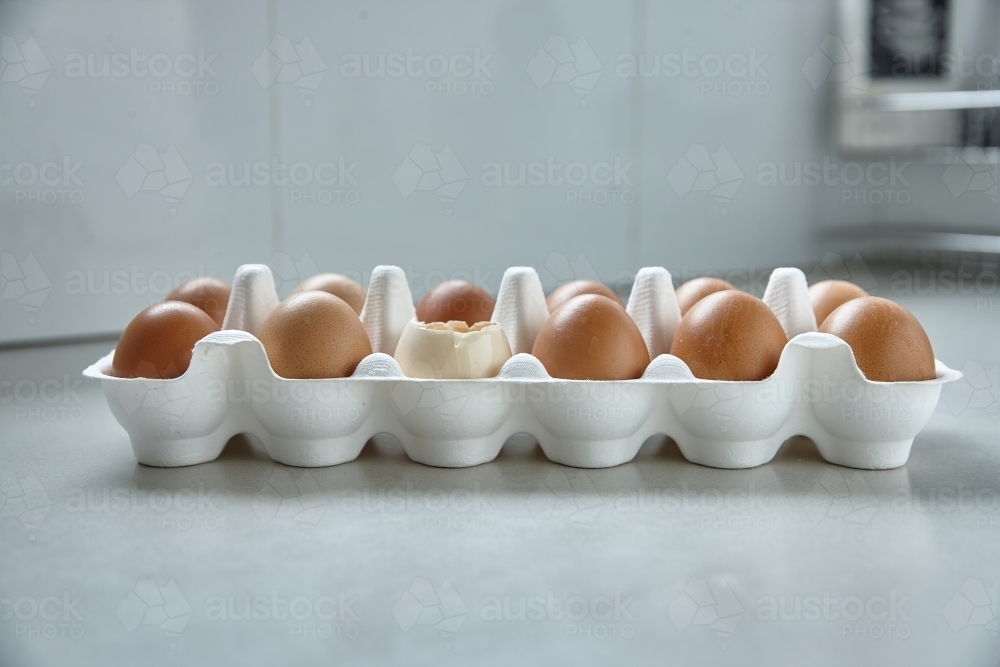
<point>229,388</point>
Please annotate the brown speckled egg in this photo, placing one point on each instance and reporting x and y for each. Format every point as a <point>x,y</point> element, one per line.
<point>591,337</point>
<point>158,342</point>
<point>314,335</point>
<point>888,342</point>
<point>456,300</point>
<point>729,335</point>
<point>697,289</point>
<point>828,295</point>
<point>564,293</point>
<point>337,285</point>
<point>208,293</point>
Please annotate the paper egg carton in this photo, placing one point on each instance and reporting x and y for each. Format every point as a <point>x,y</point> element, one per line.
<point>229,388</point>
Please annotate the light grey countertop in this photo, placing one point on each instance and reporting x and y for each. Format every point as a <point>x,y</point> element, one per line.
<point>382,560</point>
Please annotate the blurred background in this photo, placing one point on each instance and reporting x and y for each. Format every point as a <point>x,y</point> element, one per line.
<point>148,142</point>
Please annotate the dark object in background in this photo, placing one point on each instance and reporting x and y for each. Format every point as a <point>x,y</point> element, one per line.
<point>908,38</point>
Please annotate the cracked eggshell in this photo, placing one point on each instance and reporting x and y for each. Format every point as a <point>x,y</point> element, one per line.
<point>452,350</point>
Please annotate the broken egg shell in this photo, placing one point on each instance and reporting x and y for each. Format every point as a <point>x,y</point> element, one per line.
<point>452,350</point>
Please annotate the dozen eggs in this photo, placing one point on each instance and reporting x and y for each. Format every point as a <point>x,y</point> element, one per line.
<point>724,333</point>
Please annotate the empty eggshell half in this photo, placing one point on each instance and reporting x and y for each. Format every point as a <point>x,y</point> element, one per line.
<point>452,350</point>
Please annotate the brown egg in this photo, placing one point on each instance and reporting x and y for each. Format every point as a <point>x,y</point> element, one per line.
<point>314,335</point>
<point>208,293</point>
<point>337,285</point>
<point>158,342</point>
<point>888,342</point>
<point>697,289</point>
<point>456,300</point>
<point>591,337</point>
<point>828,295</point>
<point>564,293</point>
<point>729,335</point>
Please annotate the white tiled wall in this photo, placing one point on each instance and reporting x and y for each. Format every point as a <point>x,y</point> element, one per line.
<point>343,144</point>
